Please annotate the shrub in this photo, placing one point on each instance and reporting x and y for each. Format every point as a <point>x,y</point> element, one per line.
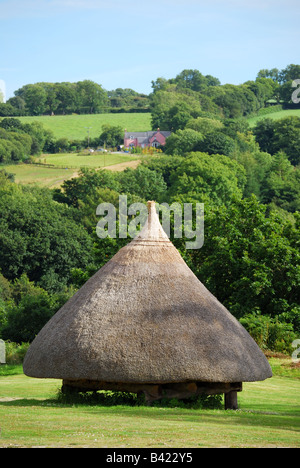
<point>269,333</point>
<point>15,352</point>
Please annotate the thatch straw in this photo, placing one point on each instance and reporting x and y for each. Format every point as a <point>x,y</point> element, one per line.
<point>145,318</point>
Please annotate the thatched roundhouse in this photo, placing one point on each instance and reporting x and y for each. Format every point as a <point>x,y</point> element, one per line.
<point>144,322</point>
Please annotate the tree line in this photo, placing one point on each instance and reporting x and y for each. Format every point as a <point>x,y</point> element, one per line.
<point>83,97</point>
<point>189,93</point>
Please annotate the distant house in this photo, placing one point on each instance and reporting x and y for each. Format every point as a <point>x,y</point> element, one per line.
<point>143,139</point>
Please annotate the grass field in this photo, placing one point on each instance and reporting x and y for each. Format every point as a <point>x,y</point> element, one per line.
<point>269,416</point>
<point>95,160</point>
<point>65,167</point>
<point>42,176</point>
<point>75,127</point>
<point>275,116</point>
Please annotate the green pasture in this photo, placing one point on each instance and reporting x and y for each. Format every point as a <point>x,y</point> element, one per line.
<point>65,166</point>
<point>32,416</point>
<point>76,127</point>
<point>95,160</point>
<point>28,174</point>
<point>275,116</point>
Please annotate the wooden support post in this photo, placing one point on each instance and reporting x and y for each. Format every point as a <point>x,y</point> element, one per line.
<point>231,401</point>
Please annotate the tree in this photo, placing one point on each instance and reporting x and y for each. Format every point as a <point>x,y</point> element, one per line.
<point>127,99</point>
<point>35,98</point>
<point>92,97</point>
<point>111,135</point>
<point>290,73</point>
<point>217,143</point>
<point>67,97</point>
<point>194,80</point>
<point>257,165</point>
<point>282,184</point>
<point>205,125</point>
<point>214,179</point>
<point>143,182</point>
<point>280,135</point>
<point>172,109</point>
<point>52,101</point>
<point>250,261</point>
<point>18,104</point>
<point>287,138</point>
<point>183,141</point>
<point>264,134</point>
<point>273,74</point>
<point>28,309</point>
<point>262,88</point>
<point>38,235</point>
<point>236,101</point>
<point>77,190</point>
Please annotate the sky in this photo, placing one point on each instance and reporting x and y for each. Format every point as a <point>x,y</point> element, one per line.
<point>129,43</point>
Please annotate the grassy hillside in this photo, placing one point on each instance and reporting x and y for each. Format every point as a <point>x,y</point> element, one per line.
<point>275,116</point>
<point>31,415</point>
<point>76,126</point>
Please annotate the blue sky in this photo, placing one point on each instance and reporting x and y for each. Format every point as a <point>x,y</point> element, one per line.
<point>129,43</point>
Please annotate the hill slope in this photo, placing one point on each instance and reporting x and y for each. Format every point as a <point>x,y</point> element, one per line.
<point>76,127</point>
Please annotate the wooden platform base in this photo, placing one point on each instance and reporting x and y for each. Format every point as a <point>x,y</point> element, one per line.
<point>154,392</point>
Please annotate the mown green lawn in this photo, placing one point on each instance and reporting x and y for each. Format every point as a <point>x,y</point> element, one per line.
<point>31,416</point>
<point>75,127</point>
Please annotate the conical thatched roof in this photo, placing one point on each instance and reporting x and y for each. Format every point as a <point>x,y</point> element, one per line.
<point>145,318</point>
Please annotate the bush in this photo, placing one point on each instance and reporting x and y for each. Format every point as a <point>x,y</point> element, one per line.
<point>15,352</point>
<point>269,333</point>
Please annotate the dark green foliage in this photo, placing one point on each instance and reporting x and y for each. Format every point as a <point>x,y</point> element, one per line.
<point>143,182</point>
<point>183,141</point>
<point>18,141</point>
<point>27,309</point>
<point>250,261</point>
<point>66,98</point>
<point>39,236</point>
<point>111,136</point>
<point>28,317</point>
<point>270,333</point>
<point>108,398</point>
<point>280,135</point>
<point>217,143</point>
